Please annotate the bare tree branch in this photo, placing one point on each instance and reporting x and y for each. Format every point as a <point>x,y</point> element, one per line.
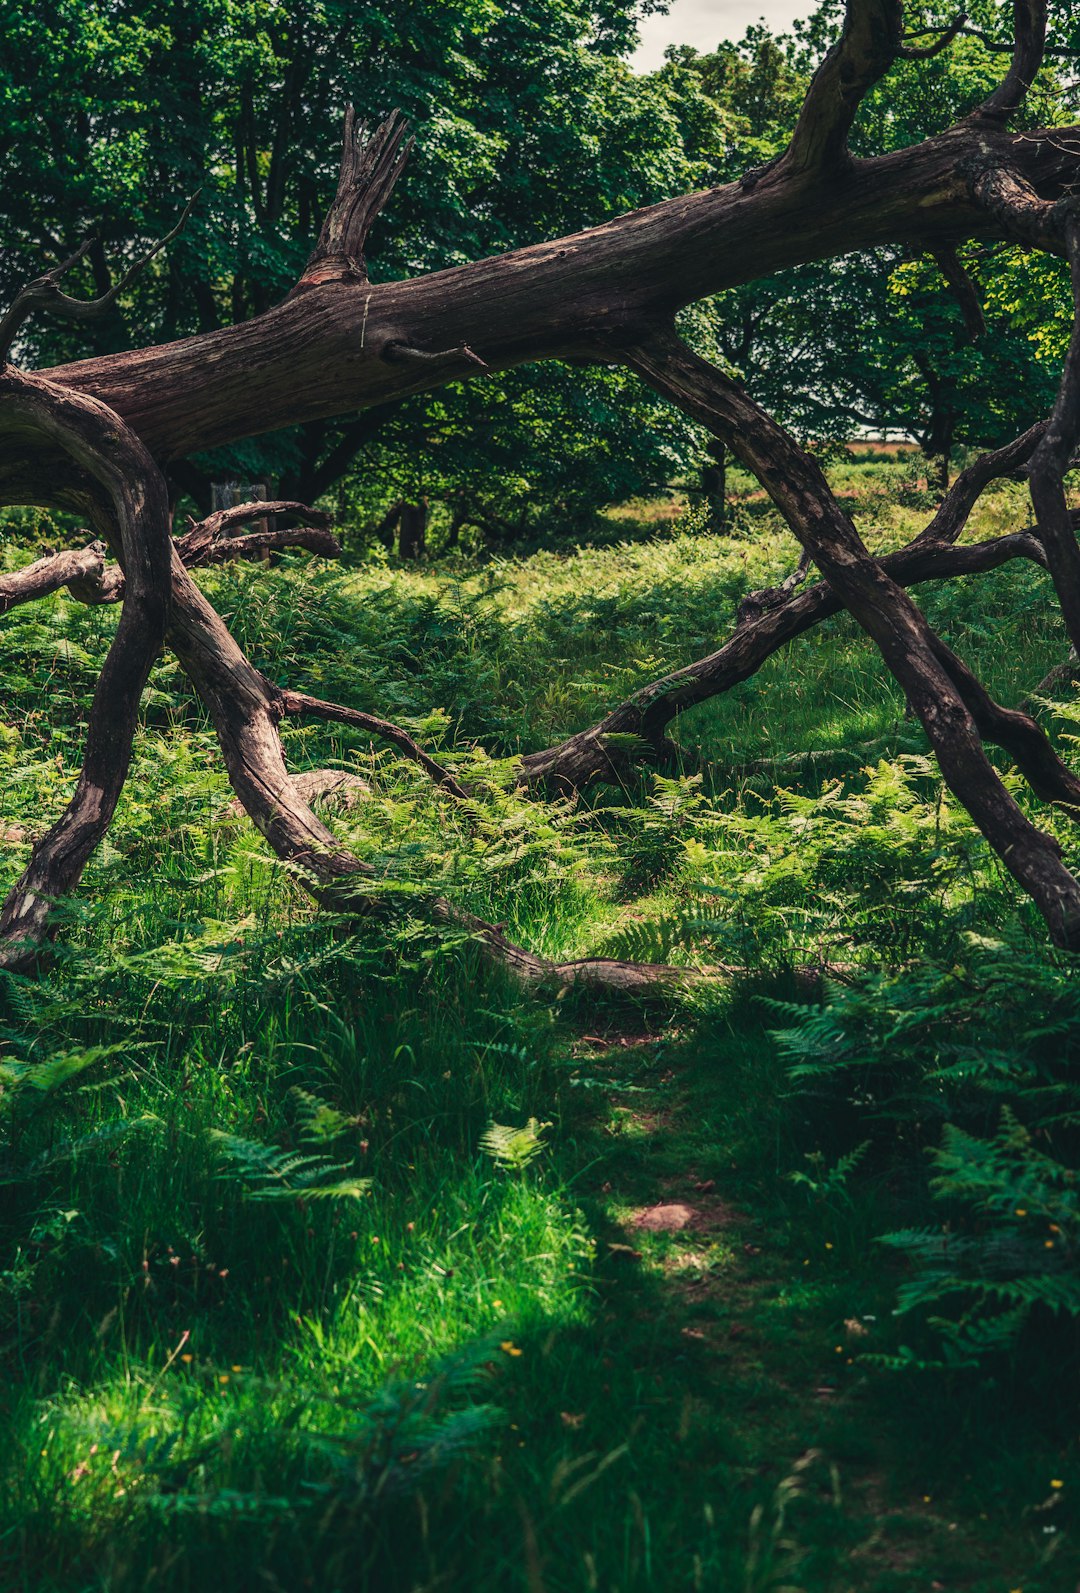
<point>311,539</point>
<point>1062,52</point>
<point>1015,205</point>
<point>194,546</point>
<point>244,708</point>
<point>299,703</point>
<point>1028,49</point>
<point>870,43</point>
<point>908,645</point>
<point>50,574</point>
<point>1052,457</point>
<point>45,293</point>
<point>638,726</point>
<point>556,299</point>
<point>91,580</point>
<point>955,508</point>
<point>105,451</point>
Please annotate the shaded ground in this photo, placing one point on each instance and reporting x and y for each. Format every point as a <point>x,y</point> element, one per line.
<point>635,1362</point>
<point>847,1484</point>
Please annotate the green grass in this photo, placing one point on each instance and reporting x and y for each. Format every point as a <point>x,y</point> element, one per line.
<point>466,1374</point>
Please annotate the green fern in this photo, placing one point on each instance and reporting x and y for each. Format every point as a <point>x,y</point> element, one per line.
<point>514,1148</point>
<point>270,1173</point>
<point>319,1122</point>
<point>1011,1251</point>
<point>829,1184</point>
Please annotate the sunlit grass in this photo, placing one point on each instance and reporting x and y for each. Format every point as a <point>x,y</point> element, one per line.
<point>466,1375</point>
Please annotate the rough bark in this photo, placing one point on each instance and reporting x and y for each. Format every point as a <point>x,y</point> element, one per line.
<point>594,753</point>
<point>80,565</point>
<point>907,644</point>
<point>100,448</point>
<point>341,344</point>
<point>1051,461</point>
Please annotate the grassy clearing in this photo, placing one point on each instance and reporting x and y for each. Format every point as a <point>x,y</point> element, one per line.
<point>642,1359</point>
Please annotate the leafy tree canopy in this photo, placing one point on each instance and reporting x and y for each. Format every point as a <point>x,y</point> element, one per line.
<point>879,339</point>
<point>528,123</point>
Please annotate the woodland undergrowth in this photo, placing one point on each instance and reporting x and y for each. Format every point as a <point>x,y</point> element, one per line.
<point>318,1257</point>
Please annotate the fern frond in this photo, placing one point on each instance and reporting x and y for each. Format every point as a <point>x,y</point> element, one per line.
<point>271,1173</point>
<point>514,1148</point>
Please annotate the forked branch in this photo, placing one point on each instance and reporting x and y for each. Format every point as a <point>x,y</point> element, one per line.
<point>940,41</point>
<point>637,727</point>
<point>45,293</point>
<point>908,645</point>
<point>871,41</point>
<point>371,164</point>
<point>90,579</point>
<point>211,541</point>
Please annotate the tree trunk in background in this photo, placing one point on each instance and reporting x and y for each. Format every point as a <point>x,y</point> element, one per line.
<point>412,530</point>
<point>714,485</point>
<point>943,471</point>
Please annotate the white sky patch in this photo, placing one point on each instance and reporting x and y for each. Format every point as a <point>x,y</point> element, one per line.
<point>704,23</point>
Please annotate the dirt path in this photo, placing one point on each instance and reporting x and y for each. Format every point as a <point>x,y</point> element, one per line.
<point>759,1353</point>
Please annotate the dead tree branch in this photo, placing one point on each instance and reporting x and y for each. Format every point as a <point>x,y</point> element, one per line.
<point>244,708</point>
<point>81,565</point>
<point>1052,457</point>
<point>955,508</point>
<point>45,293</point>
<point>91,580</point>
<point>765,598</point>
<point>340,343</point>
<point>299,704</point>
<point>602,751</point>
<point>307,538</point>
<point>562,297</point>
<point>214,532</point>
<point>871,41</point>
<point>371,164</point>
<point>908,645</point>
<point>105,451</point>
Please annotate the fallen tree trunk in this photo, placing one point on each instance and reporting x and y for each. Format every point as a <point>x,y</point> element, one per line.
<point>338,343</point>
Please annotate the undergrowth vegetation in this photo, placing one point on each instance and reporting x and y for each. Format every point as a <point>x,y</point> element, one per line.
<point>332,1258</point>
